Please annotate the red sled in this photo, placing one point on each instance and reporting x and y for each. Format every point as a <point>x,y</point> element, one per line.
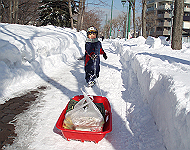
<point>87,135</point>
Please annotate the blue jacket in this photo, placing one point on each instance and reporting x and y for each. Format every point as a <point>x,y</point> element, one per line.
<point>91,49</point>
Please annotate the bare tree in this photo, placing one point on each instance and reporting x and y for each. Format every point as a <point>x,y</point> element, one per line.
<point>70,12</point>
<point>92,17</point>
<point>151,22</point>
<point>134,23</point>
<point>106,30</point>
<point>80,14</point>
<point>138,23</point>
<point>10,11</point>
<point>28,11</point>
<point>177,25</point>
<point>2,7</point>
<point>118,23</point>
<point>115,23</point>
<point>122,20</point>
<point>13,11</point>
<point>144,18</point>
<point>4,11</point>
<point>19,11</point>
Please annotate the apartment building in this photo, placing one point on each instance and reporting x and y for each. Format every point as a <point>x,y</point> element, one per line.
<point>159,18</point>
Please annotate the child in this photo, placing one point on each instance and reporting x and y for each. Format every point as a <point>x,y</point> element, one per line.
<point>93,49</point>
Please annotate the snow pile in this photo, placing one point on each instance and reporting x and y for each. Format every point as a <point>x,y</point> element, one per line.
<point>164,40</point>
<point>153,42</point>
<point>163,77</point>
<point>27,51</point>
<point>9,54</point>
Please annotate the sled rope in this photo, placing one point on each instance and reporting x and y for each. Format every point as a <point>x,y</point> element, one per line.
<point>96,77</point>
<point>89,55</point>
<point>94,60</point>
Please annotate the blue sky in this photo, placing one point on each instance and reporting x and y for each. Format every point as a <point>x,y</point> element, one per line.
<point>117,7</point>
<point>117,4</point>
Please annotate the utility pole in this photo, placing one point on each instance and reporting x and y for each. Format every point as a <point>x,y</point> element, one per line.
<point>126,37</point>
<point>111,19</point>
<point>129,20</point>
<point>129,15</point>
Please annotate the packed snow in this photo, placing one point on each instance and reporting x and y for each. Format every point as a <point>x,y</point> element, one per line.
<point>146,82</point>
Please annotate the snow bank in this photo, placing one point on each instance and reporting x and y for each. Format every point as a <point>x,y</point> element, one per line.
<point>23,56</point>
<point>163,77</point>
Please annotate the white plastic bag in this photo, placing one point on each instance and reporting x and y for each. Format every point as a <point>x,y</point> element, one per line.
<point>85,116</point>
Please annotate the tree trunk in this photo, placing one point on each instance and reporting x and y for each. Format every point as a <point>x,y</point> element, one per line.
<point>1,11</point>
<point>134,23</point>
<point>144,18</point>
<point>15,11</point>
<point>71,14</point>
<point>177,25</point>
<point>79,16</point>
<point>125,28</point>
<point>10,11</point>
<point>82,16</point>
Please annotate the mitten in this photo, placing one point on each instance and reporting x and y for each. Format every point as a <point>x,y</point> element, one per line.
<point>105,56</point>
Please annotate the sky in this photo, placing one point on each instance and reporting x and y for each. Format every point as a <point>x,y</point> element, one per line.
<point>117,7</point>
<point>106,7</point>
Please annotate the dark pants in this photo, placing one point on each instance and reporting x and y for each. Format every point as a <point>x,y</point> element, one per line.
<point>89,70</point>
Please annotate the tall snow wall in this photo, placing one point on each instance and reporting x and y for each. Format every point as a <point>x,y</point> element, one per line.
<point>159,91</point>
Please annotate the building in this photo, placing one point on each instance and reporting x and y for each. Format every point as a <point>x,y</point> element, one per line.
<point>159,18</point>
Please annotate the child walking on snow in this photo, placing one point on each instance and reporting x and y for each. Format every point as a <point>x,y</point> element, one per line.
<point>93,49</point>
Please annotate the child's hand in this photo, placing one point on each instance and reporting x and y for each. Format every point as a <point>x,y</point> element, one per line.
<point>105,56</point>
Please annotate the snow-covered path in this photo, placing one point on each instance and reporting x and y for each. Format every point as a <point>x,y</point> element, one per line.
<point>133,124</point>
<point>146,82</point>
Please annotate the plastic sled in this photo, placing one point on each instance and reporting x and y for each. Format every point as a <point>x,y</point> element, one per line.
<point>87,135</point>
